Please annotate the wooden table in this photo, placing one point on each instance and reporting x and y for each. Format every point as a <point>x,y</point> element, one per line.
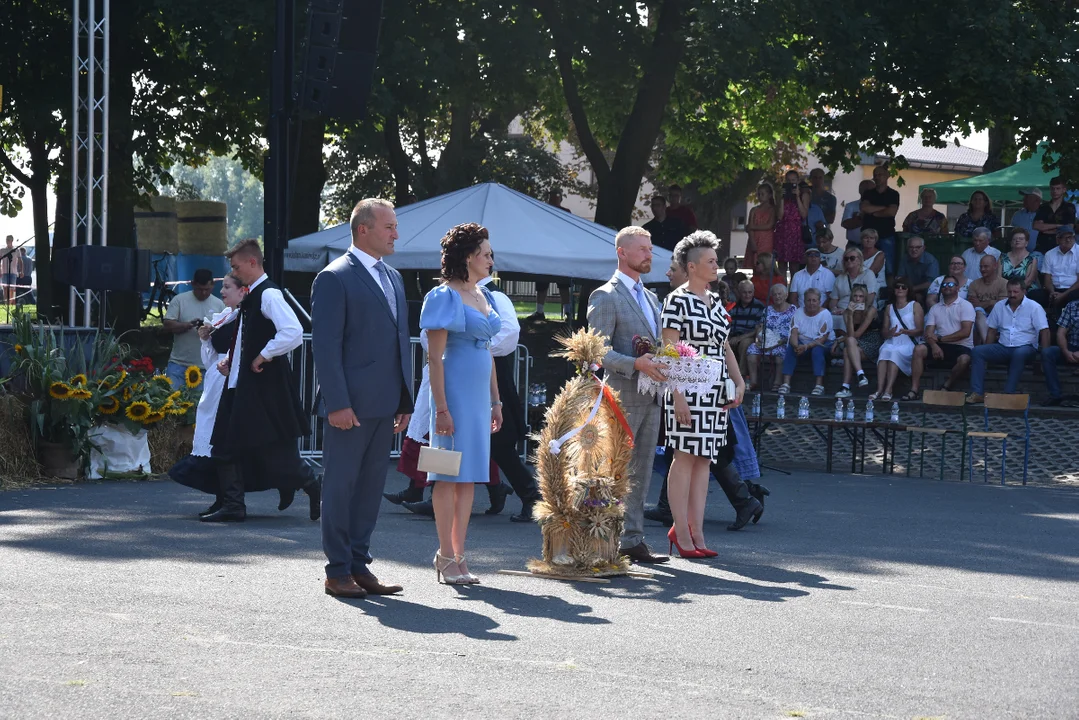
<point>854,430</point>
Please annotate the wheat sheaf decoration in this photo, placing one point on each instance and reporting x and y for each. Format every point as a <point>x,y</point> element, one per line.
<point>585,448</point>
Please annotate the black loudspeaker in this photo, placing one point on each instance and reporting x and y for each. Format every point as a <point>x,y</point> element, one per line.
<point>97,267</point>
<point>342,45</point>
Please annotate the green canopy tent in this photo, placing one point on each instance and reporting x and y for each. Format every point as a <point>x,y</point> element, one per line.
<point>1002,186</point>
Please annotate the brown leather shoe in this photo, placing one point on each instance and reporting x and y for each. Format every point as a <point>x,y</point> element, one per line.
<point>371,584</point>
<point>640,553</point>
<point>344,587</point>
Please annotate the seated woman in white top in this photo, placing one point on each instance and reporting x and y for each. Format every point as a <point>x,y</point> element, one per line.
<point>811,334</point>
<point>903,321</point>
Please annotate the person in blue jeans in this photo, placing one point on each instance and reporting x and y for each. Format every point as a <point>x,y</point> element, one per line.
<point>811,334</point>
<point>1017,328</point>
<point>1066,349</point>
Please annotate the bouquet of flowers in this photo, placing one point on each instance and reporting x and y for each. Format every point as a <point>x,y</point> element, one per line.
<point>687,369</point>
<point>135,395</point>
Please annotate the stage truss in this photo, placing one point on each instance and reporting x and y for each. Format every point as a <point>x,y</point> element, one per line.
<point>90,142</point>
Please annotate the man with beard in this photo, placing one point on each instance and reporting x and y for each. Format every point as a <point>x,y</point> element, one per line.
<point>620,310</point>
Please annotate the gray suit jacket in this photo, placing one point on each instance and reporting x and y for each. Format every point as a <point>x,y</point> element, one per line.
<point>362,355</point>
<point>614,312</point>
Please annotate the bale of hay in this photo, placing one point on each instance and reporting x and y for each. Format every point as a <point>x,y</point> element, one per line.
<point>18,461</point>
<point>156,225</point>
<point>202,227</point>
<point>170,442</point>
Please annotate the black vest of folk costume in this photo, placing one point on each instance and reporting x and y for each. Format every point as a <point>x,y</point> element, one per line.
<point>265,407</point>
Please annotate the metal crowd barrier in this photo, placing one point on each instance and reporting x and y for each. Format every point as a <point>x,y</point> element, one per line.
<point>303,365</point>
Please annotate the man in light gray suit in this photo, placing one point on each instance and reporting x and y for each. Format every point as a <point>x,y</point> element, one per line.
<point>359,330</point>
<point>621,309</point>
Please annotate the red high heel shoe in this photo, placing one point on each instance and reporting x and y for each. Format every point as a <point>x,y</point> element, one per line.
<point>673,537</point>
<point>705,552</point>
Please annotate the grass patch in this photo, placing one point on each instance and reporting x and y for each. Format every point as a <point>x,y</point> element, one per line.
<point>524,308</point>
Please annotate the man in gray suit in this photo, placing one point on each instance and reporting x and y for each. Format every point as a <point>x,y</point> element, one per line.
<point>359,330</point>
<point>621,309</point>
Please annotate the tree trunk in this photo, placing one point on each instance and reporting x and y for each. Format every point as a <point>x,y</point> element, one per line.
<point>619,185</point>
<point>397,158</point>
<point>1002,149</point>
<point>713,209</point>
<point>39,198</point>
<point>310,178</point>
<point>453,173</point>
<point>56,309</point>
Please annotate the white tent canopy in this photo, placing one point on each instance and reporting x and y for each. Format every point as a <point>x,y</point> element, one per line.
<point>528,236</point>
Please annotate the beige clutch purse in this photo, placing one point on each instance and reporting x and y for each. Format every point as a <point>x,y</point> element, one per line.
<point>440,460</point>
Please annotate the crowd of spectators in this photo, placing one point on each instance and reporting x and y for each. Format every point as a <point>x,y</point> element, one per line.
<point>904,313</point>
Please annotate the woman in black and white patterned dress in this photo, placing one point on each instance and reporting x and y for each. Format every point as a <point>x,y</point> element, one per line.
<point>696,423</point>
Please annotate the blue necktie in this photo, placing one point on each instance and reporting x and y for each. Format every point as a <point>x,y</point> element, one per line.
<point>387,287</point>
<point>638,290</point>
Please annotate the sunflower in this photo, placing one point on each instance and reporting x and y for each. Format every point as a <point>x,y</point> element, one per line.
<point>193,376</point>
<point>138,411</point>
<point>185,406</point>
<point>116,383</point>
<point>174,396</point>
<point>80,393</point>
<point>163,378</point>
<point>109,406</point>
<point>18,349</point>
<point>164,407</point>
<point>153,417</point>
<point>60,390</point>
<point>127,394</point>
<point>79,380</point>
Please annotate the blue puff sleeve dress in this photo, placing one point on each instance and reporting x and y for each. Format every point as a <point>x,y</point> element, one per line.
<point>467,366</point>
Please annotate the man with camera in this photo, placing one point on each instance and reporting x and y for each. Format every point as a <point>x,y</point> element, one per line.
<point>186,312</point>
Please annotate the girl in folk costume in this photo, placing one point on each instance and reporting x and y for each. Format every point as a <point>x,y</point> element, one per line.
<point>260,416</point>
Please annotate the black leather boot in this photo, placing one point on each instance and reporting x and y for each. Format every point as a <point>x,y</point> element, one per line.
<point>745,505</point>
<point>212,509</point>
<point>232,495</point>
<point>409,494</point>
<point>313,489</point>
<point>498,494</point>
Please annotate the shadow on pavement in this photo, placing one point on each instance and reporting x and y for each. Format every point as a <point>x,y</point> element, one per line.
<point>415,618</point>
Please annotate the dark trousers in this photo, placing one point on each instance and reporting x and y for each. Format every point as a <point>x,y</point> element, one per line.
<point>734,487</point>
<point>356,462</point>
<point>504,453</point>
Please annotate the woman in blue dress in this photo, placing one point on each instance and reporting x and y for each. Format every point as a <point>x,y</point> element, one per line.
<point>465,408</point>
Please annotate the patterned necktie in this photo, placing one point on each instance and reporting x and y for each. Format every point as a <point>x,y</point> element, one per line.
<point>638,290</point>
<point>387,287</point>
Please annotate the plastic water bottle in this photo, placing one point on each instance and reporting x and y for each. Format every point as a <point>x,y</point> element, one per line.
<point>781,407</point>
<point>869,411</point>
<point>850,410</point>
<point>803,408</point>
<point>839,410</point>
<point>755,408</point>
<point>895,413</point>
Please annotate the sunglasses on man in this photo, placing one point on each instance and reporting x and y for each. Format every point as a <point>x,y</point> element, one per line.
<point>949,284</point>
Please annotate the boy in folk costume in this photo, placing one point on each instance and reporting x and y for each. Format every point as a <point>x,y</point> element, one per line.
<point>260,416</point>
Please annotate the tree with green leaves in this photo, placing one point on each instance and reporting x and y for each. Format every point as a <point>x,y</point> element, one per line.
<point>882,72</point>
<point>451,78</point>
<point>36,61</point>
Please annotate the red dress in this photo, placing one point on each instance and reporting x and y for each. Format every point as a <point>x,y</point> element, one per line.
<point>789,247</point>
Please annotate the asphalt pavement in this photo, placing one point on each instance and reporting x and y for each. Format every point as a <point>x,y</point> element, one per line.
<point>856,596</point>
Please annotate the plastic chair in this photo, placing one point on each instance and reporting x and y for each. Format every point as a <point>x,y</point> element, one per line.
<point>937,398</point>
<point>1000,401</point>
